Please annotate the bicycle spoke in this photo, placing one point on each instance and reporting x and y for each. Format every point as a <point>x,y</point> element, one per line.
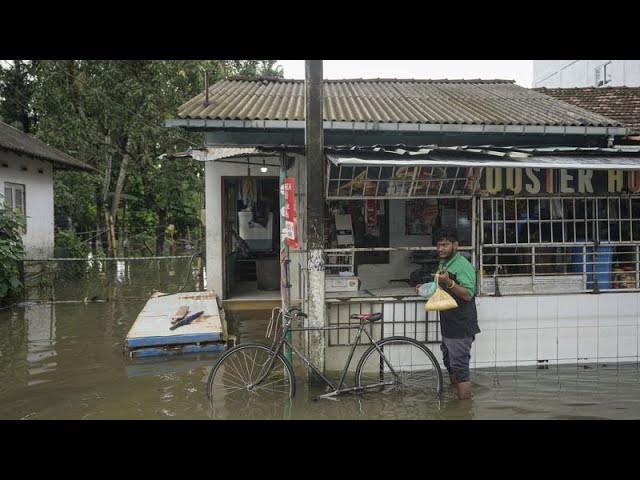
<point>410,368</point>
<point>236,383</point>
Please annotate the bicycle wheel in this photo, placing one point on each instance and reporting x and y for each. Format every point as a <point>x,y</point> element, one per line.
<point>408,367</point>
<point>238,369</point>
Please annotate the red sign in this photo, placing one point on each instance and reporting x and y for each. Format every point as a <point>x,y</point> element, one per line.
<point>290,230</point>
<point>372,213</point>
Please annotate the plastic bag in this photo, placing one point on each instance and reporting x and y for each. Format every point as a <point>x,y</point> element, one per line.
<point>427,289</point>
<point>440,300</point>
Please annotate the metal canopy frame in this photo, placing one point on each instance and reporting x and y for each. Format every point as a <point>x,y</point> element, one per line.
<point>346,182</point>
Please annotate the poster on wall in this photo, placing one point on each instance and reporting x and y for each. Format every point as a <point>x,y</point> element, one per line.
<point>290,230</point>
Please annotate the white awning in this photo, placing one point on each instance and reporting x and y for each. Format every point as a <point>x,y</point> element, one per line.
<point>222,153</point>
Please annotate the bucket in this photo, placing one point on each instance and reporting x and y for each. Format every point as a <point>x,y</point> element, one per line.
<point>601,265</point>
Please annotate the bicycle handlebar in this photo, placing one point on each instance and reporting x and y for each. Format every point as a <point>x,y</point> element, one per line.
<point>296,312</point>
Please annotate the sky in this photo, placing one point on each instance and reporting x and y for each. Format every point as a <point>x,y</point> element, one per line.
<point>519,70</point>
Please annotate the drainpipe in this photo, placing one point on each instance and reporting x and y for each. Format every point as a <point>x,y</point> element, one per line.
<point>314,149</point>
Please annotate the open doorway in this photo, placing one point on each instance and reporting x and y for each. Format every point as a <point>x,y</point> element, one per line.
<point>251,238</point>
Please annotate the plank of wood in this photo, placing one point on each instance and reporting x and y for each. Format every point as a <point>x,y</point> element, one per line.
<point>180,314</point>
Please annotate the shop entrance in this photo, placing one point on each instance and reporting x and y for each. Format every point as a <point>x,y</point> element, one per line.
<point>251,239</point>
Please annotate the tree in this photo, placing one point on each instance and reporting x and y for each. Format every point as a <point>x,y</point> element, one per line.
<point>253,68</point>
<point>110,114</point>
<point>16,89</point>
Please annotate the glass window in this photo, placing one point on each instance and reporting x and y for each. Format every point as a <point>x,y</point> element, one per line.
<point>15,197</point>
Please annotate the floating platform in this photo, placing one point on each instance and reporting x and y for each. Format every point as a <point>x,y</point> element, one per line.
<point>151,333</point>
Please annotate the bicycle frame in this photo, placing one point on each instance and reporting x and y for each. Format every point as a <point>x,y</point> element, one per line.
<point>337,390</point>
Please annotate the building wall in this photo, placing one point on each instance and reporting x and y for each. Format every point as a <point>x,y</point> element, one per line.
<point>37,177</point>
<point>581,73</point>
<point>530,330</point>
<point>579,328</point>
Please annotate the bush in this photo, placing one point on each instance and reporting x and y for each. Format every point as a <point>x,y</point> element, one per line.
<point>11,254</point>
<point>69,245</point>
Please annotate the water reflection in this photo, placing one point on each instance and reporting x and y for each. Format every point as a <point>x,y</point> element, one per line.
<point>41,341</point>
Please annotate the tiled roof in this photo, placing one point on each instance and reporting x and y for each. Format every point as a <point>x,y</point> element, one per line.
<point>619,103</point>
<point>476,102</point>
<point>21,143</point>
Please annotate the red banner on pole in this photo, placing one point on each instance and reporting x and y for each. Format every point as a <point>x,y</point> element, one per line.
<point>290,230</point>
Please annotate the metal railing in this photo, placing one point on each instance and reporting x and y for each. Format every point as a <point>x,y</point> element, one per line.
<point>400,317</point>
<point>552,245</point>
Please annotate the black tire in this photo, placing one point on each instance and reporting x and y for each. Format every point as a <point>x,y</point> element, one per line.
<point>240,367</point>
<point>417,369</point>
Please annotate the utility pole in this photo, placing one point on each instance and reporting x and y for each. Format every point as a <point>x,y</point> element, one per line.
<point>314,149</point>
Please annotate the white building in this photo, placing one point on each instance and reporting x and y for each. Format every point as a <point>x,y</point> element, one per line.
<point>26,177</point>
<point>586,73</point>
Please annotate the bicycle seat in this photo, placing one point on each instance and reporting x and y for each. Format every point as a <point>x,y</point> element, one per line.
<point>367,317</point>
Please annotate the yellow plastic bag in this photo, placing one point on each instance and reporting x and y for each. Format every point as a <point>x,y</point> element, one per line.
<point>440,300</point>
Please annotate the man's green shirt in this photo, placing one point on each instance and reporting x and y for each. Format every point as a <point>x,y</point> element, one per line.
<point>465,274</point>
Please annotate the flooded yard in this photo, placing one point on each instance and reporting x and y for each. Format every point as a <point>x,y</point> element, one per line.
<point>66,361</point>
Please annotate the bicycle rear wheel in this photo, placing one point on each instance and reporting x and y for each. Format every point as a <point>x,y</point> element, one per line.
<point>405,365</point>
<point>231,385</point>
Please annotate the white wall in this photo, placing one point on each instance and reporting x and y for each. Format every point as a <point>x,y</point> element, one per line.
<point>581,73</point>
<point>580,328</point>
<point>527,330</point>
<point>38,182</point>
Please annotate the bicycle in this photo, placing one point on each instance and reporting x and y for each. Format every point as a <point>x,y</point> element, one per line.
<point>260,372</point>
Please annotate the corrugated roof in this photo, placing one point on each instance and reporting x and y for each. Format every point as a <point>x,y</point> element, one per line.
<point>476,102</point>
<point>21,143</point>
<point>619,103</point>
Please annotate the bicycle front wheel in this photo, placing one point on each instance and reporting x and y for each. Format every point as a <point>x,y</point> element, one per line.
<point>232,385</point>
<point>400,364</point>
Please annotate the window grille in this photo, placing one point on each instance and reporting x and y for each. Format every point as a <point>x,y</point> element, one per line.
<point>592,242</point>
<point>348,181</point>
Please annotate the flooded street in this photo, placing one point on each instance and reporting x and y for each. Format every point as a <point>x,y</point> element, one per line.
<point>66,361</point>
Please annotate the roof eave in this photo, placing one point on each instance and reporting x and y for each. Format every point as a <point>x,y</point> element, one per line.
<point>57,163</point>
<point>198,123</point>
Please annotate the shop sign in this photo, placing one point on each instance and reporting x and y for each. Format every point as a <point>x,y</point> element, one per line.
<point>536,181</point>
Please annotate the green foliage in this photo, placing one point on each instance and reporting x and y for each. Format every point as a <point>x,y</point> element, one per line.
<point>16,88</point>
<point>69,245</point>
<point>254,68</point>
<point>11,254</point>
<point>74,196</point>
<point>111,115</point>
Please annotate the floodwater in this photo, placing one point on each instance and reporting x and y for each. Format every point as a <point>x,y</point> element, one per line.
<point>66,361</point>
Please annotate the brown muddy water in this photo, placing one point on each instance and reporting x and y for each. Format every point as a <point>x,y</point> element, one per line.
<point>66,361</point>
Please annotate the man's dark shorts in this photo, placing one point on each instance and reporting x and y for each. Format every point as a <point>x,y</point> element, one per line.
<point>456,354</point>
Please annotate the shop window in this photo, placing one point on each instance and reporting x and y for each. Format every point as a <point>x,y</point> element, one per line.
<point>370,228</point>
<point>586,238</point>
<point>603,74</point>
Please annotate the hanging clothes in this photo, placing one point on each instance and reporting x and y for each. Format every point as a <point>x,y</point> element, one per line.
<point>249,193</point>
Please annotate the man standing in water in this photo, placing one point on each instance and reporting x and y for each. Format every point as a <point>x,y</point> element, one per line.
<point>458,326</point>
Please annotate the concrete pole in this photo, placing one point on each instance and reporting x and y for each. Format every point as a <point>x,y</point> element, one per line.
<point>314,146</point>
